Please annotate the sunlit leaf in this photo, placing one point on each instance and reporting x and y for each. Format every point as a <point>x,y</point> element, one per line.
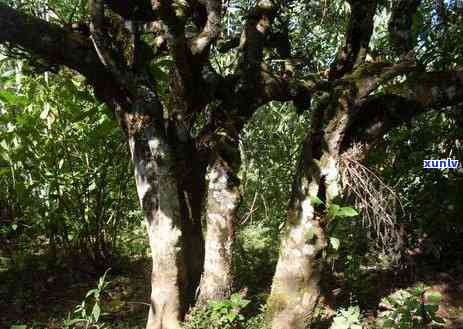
<point>335,243</point>
<point>346,212</point>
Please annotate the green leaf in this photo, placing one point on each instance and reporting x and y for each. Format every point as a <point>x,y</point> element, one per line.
<point>12,99</point>
<point>335,243</point>
<point>434,297</point>
<point>4,145</point>
<point>235,298</point>
<point>3,170</point>
<point>18,326</point>
<point>45,112</point>
<point>244,302</point>
<point>216,305</point>
<point>333,210</point>
<point>315,201</point>
<point>347,212</point>
<point>96,312</point>
<point>419,290</point>
<point>231,316</point>
<point>164,61</point>
<point>388,323</point>
<point>431,308</point>
<point>74,321</point>
<point>90,292</point>
<point>437,319</point>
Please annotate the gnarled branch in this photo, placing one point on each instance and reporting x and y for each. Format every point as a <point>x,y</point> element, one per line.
<point>99,38</point>
<point>369,76</point>
<point>174,21</point>
<point>253,37</point>
<point>49,42</point>
<point>400,24</point>
<point>421,92</point>
<point>358,36</point>
<point>211,29</point>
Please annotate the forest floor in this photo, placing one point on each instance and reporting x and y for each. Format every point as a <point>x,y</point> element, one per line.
<point>41,296</point>
<point>374,285</point>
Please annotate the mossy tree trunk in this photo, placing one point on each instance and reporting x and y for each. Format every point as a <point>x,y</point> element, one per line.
<point>295,287</point>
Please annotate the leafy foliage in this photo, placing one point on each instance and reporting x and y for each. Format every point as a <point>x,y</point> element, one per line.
<point>219,314</point>
<point>349,318</point>
<point>83,314</point>
<point>411,308</point>
<point>65,169</point>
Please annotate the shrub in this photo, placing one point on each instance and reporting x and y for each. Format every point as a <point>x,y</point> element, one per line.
<point>219,314</point>
<point>412,308</point>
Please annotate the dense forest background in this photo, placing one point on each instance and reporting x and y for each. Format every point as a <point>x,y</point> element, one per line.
<point>249,105</point>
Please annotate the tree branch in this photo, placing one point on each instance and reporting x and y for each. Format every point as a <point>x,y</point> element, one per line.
<point>99,39</point>
<point>254,35</point>
<point>243,93</point>
<point>369,76</point>
<point>176,40</point>
<point>59,46</point>
<point>140,10</point>
<point>249,84</point>
<point>422,92</point>
<point>431,89</point>
<point>276,88</point>
<point>49,41</point>
<point>224,46</point>
<point>400,25</point>
<point>358,36</point>
<point>211,29</point>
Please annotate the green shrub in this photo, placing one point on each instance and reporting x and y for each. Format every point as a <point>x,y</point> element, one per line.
<point>412,308</point>
<point>220,314</point>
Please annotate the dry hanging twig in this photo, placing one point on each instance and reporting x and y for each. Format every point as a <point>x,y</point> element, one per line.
<point>377,201</point>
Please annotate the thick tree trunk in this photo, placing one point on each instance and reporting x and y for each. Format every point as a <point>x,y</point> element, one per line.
<point>157,190</point>
<point>222,202</point>
<point>295,288</point>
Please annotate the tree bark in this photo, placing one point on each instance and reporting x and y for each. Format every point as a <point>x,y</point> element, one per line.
<point>222,202</point>
<point>295,287</point>
<point>158,194</point>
